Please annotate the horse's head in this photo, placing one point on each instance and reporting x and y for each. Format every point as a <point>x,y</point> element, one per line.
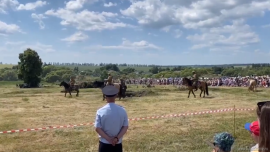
<point>62,83</point>
<point>186,81</point>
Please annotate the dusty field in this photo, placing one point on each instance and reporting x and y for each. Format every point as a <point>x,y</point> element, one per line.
<point>34,108</point>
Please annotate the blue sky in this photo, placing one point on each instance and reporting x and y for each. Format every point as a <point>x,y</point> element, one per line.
<point>163,32</point>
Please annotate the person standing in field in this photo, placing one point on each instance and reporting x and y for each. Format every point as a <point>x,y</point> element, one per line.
<point>111,122</point>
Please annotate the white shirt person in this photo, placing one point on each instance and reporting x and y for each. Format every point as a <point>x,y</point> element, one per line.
<point>111,122</point>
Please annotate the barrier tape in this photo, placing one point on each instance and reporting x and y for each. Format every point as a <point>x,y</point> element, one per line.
<point>134,119</point>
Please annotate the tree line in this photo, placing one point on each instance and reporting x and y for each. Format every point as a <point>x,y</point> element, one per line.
<point>152,65</point>
<point>32,70</point>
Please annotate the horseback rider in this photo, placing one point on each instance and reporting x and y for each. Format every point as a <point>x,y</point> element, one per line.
<point>72,82</point>
<point>122,82</point>
<point>195,80</point>
<point>109,81</point>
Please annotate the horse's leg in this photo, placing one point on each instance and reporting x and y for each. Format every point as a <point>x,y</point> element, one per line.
<point>201,93</point>
<point>188,93</point>
<point>204,92</point>
<point>70,92</point>
<point>65,93</point>
<point>193,93</point>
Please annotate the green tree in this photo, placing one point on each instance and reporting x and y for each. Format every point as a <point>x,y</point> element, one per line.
<point>108,67</point>
<point>154,70</point>
<point>30,67</point>
<point>51,77</point>
<point>104,75</point>
<point>128,70</point>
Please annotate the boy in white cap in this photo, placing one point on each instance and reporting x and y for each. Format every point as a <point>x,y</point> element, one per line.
<point>111,122</point>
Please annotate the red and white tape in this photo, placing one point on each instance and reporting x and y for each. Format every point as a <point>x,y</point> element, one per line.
<point>134,119</point>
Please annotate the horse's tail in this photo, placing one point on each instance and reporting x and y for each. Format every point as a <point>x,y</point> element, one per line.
<point>206,89</point>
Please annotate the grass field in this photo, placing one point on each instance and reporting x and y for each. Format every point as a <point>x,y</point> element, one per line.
<point>34,108</point>
<point>2,66</point>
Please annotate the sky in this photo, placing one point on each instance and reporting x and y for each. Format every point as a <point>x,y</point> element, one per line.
<point>161,32</point>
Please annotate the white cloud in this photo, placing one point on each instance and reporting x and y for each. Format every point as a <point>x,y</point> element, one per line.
<point>127,45</point>
<point>14,47</point>
<point>77,4</point>
<point>6,4</point>
<point>195,13</point>
<point>14,43</point>
<point>39,47</point>
<point>166,28</point>
<point>76,37</point>
<point>31,6</point>
<point>87,20</point>
<point>38,18</point>
<point>152,34</point>
<point>225,38</point>
<point>153,13</point>
<point>15,5</point>
<point>266,26</point>
<point>110,4</point>
<point>177,33</point>
<point>6,29</point>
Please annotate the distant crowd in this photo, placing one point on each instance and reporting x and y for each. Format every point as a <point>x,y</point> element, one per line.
<point>263,81</point>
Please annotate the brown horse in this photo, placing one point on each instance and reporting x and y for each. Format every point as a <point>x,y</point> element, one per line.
<point>202,86</point>
<point>252,85</point>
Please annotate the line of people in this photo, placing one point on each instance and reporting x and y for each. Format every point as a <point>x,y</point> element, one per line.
<point>263,81</point>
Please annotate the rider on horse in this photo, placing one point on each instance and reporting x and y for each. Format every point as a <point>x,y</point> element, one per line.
<point>72,82</point>
<point>109,81</point>
<point>195,80</point>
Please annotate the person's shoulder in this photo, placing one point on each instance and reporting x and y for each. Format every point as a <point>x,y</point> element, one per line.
<point>121,107</point>
<point>102,108</point>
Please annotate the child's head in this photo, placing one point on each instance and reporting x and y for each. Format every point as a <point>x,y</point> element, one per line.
<point>254,129</point>
<point>223,141</point>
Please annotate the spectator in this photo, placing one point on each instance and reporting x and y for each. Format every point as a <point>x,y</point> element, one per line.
<point>255,132</point>
<point>223,142</point>
<point>264,139</point>
<point>111,122</point>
